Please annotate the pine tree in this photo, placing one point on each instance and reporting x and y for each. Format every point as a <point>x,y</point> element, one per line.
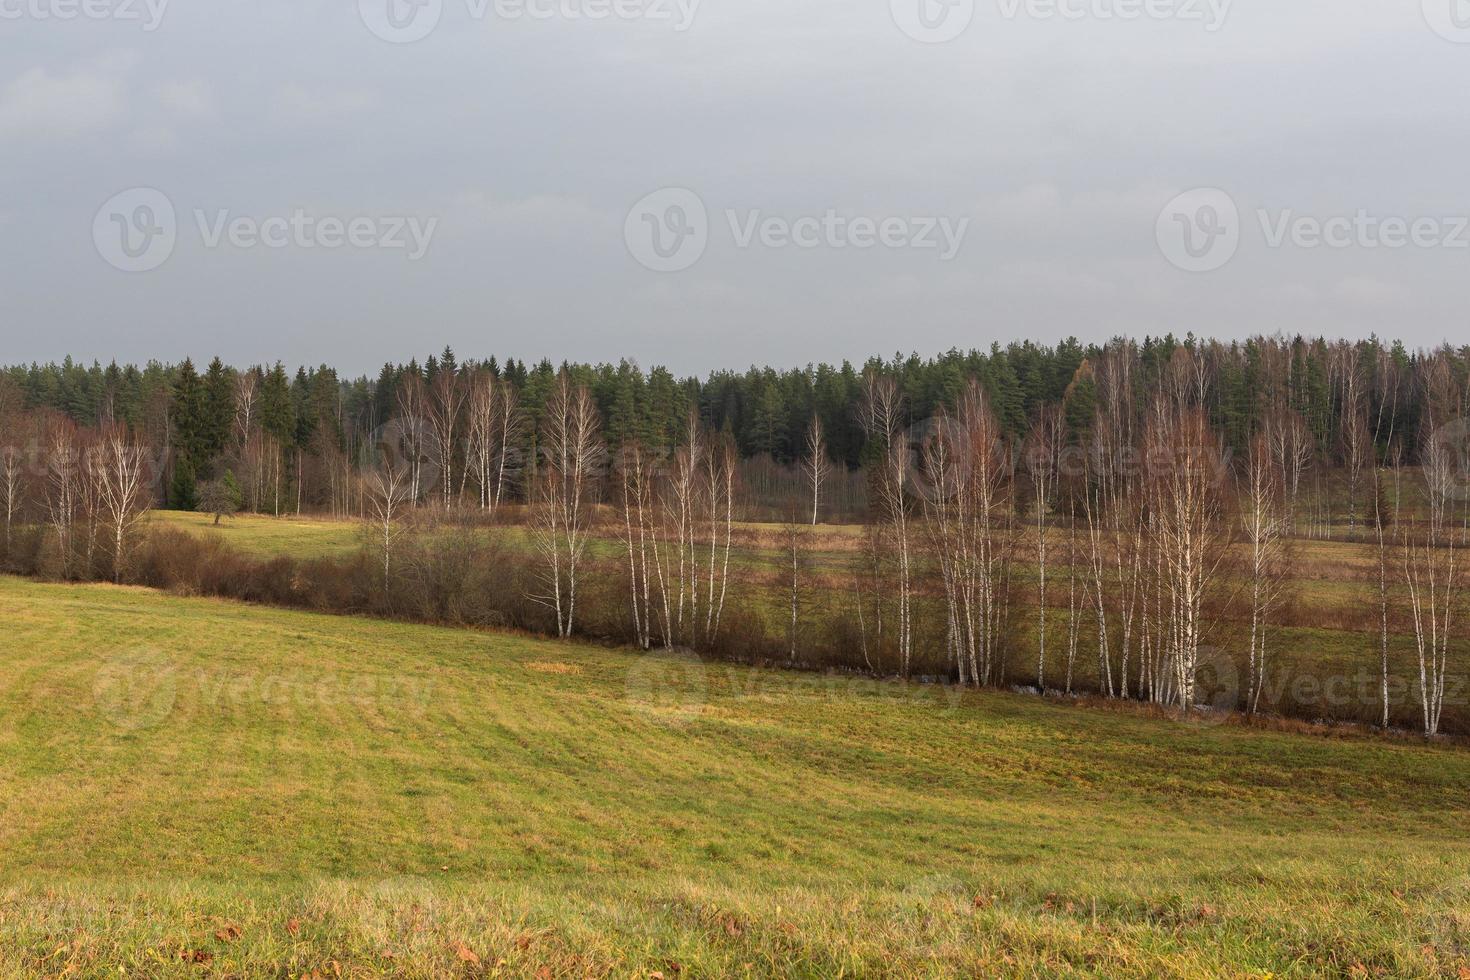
<point>219,410</point>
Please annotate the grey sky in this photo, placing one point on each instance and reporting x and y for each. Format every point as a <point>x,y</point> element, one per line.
<point>1060,138</point>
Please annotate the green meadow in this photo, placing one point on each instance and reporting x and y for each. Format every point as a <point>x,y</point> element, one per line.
<point>191,787</point>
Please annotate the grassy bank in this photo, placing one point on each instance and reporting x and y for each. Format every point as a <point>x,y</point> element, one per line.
<point>190,785</point>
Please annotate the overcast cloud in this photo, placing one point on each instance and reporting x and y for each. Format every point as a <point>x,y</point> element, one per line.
<point>864,186</point>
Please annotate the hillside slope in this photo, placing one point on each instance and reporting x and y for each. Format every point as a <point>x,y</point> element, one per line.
<point>193,785</point>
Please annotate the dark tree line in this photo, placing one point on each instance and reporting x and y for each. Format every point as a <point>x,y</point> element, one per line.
<point>314,418</point>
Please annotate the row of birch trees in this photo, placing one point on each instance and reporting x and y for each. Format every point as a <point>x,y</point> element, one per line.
<point>87,489</point>
<point>1158,534</point>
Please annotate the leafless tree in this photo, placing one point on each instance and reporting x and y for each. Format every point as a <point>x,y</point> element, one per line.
<point>881,414</point>
<point>63,489</point>
<point>969,507</point>
<point>445,401</point>
<point>572,450</point>
<point>797,563</point>
<point>1185,474</point>
<point>1291,447</point>
<point>817,466</point>
<point>511,422</point>
<point>1353,418</point>
<point>1074,598</point>
<point>1385,432</point>
<point>1113,505</point>
<point>389,494</point>
<point>637,472</point>
<point>246,384</point>
<point>413,430</point>
<point>1043,460</point>
<point>495,424</point>
<point>1431,552</point>
<point>121,472</point>
<point>13,485</point>
<point>482,410</point>
<point>720,465</point>
<point>1263,521</point>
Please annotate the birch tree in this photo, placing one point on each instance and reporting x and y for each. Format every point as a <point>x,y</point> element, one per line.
<point>796,566</point>
<point>246,384</point>
<point>413,432</point>
<point>881,413</point>
<point>817,466</point>
<point>1043,459</point>
<point>1263,522</point>
<point>63,490</point>
<point>968,509</point>
<point>389,495</point>
<point>572,450</point>
<point>482,410</point>
<point>124,487</point>
<point>1385,432</point>
<point>1431,552</point>
<point>445,401</point>
<point>637,473</point>
<point>12,486</point>
<point>1184,463</point>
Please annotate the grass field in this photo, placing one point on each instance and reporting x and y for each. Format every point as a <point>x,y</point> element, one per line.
<point>1324,645</point>
<point>191,787</point>
<point>266,537</point>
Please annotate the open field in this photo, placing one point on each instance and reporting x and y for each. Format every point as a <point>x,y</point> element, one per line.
<point>264,536</point>
<point>193,787</point>
<point>1324,645</point>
